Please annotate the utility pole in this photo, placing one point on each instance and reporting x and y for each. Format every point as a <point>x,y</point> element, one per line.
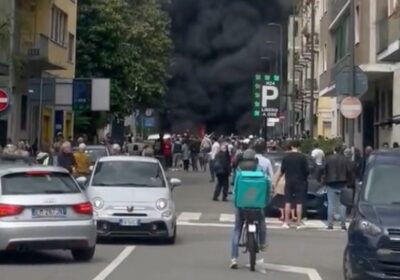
<point>312,69</point>
<point>352,66</point>
<point>294,72</point>
<point>11,129</point>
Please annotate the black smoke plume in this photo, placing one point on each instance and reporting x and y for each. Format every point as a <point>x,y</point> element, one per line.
<point>219,46</point>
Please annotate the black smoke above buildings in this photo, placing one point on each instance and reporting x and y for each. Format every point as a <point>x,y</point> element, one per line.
<point>219,46</point>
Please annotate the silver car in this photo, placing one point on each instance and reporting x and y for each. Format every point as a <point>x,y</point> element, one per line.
<point>132,197</point>
<point>43,208</point>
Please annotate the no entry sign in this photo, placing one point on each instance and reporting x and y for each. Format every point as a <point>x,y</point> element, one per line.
<point>351,107</point>
<point>4,100</point>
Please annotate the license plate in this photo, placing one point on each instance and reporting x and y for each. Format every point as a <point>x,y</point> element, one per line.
<point>129,222</point>
<point>49,212</point>
<point>252,228</point>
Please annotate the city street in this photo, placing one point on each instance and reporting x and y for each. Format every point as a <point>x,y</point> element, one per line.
<point>201,251</point>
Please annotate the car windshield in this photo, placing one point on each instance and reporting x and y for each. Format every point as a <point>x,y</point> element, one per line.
<point>95,154</point>
<point>34,183</point>
<point>382,186</point>
<point>128,174</point>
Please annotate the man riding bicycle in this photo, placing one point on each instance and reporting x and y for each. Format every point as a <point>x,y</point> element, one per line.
<point>248,162</point>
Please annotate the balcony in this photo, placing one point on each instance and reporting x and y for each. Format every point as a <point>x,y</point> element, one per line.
<point>335,6</point>
<point>388,39</point>
<point>43,53</point>
<point>339,66</point>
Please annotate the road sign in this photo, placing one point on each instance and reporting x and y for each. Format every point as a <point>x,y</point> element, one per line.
<point>149,122</point>
<point>4,100</point>
<point>351,107</point>
<point>81,94</point>
<point>343,85</point>
<point>266,95</point>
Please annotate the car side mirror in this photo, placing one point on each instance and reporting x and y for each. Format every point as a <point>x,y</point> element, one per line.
<point>175,182</point>
<point>82,181</point>
<point>347,197</point>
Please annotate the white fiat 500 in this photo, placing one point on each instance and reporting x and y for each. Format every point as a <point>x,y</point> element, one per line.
<point>132,197</point>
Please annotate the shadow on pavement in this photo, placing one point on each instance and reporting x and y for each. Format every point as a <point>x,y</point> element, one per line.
<point>33,257</point>
<point>130,241</point>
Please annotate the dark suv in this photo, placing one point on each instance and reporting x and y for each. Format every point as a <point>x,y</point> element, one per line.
<point>373,247</point>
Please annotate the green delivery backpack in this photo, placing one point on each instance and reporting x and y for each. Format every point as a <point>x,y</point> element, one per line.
<point>252,189</point>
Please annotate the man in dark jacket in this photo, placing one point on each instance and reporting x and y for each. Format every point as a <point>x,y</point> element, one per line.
<point>338,174</point>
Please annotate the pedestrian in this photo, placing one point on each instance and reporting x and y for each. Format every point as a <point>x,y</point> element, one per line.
<point>194,153</point>
<point>318,156</point>
<point>66,158</point>
<point>148,151</point>
<point>115,149</point>
<point>260,146</point>
<point>205,149</point>
<point>215,148</point>
<point>21,150</point>
<point>82,161</point>
<point>167,152</point>
<point>186,155</point>
<point>295,169</point>
<point>338,174</point>
<point>177,152</point>
<point>222,166</point>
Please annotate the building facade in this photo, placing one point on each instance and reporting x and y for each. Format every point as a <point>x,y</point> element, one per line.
<point>44,58</point>
<point>377,56</point>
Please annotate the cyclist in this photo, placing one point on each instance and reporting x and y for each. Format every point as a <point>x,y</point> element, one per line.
<point>248,162</point>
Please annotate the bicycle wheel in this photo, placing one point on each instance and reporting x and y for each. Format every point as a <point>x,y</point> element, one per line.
<point>251,248</point>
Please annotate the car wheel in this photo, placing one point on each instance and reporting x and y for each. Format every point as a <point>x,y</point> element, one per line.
<point>348,272</point>
<point>171,240</point>
<point>83,255</point>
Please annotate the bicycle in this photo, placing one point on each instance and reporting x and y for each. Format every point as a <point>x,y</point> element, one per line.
<point>250,233</point>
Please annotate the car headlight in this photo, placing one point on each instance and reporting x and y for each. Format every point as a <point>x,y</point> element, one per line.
<point>161,204</point>
<point>98,203</point>
<point>369,228</point>
<point>322,191</point>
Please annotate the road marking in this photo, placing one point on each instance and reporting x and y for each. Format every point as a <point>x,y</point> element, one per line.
<point>189,216</point>
<point>217,225</point>
<point>310,272</point>
<point>115,263</point>
<point>227,218</point>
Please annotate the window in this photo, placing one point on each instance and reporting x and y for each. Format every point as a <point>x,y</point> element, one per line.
<point>128,174</point>
<point>71,47</point>
<point>325,58</point>
<point>24,109</point>
<point>357,25</point>
<point>382,105</point>
<point>390,104</point>
<point>37,183</point>
<point>58,25</point>
<point>341,40</point>
<point>392,6</point>
<point>382,183</point>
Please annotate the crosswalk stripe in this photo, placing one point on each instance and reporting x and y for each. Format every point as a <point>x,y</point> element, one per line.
<point>227,218</point>
<point>189,216</point>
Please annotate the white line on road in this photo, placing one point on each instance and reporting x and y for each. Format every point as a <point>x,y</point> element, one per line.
<point>216,225</point>
<point>310,272</point>
<point>227,218</point>
<point>115,263</point>
<point>189,216</point>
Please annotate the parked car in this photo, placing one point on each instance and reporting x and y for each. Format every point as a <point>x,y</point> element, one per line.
<point>43,208</point>
<point>373,245</point>
<point>316,204</point>
<point>132,197</point>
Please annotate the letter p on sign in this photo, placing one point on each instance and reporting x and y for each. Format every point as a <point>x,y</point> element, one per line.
<point>268,93</point>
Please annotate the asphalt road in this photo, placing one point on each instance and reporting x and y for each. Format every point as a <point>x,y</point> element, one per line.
<point>201,251</point>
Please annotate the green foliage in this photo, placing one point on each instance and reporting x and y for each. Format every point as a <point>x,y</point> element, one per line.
<point>128,42</point>
<point>327,145</point>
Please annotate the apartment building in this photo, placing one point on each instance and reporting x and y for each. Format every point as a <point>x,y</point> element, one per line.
<point>377,49</point>
<point>45,32</point>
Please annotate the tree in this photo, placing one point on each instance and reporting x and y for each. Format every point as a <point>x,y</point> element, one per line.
<point>128,42</point>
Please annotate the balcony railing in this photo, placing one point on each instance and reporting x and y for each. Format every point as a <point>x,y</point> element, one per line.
<point>42,49</point>
<point>335,7</point>
<point>339,66</point>
<point>382,29</point>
